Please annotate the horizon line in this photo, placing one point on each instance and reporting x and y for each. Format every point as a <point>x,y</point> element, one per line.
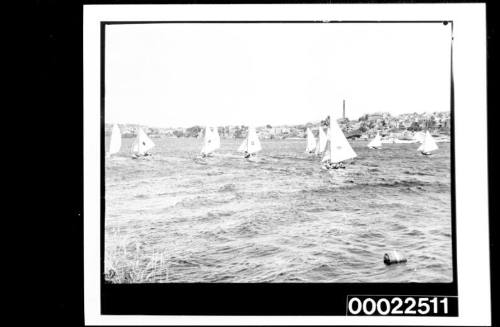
<point>275,125</point>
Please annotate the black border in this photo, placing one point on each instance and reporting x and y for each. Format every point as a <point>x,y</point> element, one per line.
<point>252,298</point>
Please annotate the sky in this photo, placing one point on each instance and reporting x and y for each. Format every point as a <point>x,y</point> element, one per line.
<point>181,75</point>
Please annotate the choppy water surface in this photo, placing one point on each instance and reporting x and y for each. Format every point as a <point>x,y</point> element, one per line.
<point>283,219</point>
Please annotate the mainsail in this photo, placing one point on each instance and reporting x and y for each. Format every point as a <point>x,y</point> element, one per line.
<point>338,148</point>
<point>142,143</point>
<point>376,142</point>
<point>326,150</point>
<point>311,141</point>
<point>428,144</point>
<point>212,140</point>
<point>116,140</point>
<point>322,139</point>
<point>251,143</point>
<point>243,146</point>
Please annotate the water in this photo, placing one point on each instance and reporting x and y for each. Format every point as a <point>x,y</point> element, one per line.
<point>282,219</point>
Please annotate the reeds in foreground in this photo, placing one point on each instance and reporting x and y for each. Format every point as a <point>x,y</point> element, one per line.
<point>126,262</point>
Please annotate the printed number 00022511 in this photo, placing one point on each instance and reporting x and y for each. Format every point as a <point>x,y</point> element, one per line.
<point>397,306</point>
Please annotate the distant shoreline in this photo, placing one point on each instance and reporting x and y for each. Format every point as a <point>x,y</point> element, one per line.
<point>402,127</point>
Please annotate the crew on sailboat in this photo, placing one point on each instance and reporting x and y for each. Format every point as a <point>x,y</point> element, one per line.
<point>211,142</point>
<point>251,145</point>
<point>428,145</point>
<point>141,146</point>
<point>338,148</point>
<point>334,165</point>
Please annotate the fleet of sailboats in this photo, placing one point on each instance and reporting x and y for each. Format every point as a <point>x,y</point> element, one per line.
<point>333,146</point>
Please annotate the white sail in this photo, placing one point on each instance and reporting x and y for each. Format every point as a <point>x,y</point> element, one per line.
<point>216,138</point>
<point>243,146</point>
<point>322,139</point>
<point>328,133</point>
<point>311,141</point>
<point>142,143</point>
<point>253,143</point>
<point>212,140</point>
<point>428,144</point>
<point>116,140</point>
<point>376,142</point>
<point>338,148</point>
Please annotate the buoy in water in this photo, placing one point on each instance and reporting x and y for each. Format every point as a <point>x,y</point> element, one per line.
<point>393,257</point>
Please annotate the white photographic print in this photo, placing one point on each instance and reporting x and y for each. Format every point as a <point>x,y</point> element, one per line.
<point>286,145</point>
<point>224,114</point>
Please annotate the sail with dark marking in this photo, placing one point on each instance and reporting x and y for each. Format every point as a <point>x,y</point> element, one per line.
<point>251,143</point>
<point>211,140</point>
<point>142,143</point>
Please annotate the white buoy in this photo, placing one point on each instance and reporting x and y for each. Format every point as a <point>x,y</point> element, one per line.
<point>393,257</point>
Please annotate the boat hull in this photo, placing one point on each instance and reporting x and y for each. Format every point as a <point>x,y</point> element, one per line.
<point>142,157</point>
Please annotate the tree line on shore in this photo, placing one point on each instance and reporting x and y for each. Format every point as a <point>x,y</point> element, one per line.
<point>438,122</point>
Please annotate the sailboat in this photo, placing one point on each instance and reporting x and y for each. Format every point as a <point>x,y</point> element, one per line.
<point>142,144</point>
<point>322,140</point>
<point>428,145</point>
<point>338,148</point>
<point>376,143</point>
<point>251,145</point>
<point>115,142</point>
<point>311,141</point>
<point>211,142</point>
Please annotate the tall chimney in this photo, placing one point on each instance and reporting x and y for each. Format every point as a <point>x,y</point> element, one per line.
<point>343,110</point>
